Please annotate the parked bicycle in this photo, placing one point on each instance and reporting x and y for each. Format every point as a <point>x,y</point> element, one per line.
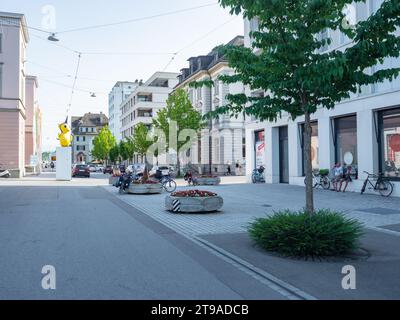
<point>168,183</point>
<point>320,180</point>
<point>258,175</point>
<point>382,185</point>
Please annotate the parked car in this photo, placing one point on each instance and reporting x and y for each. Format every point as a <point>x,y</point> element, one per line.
<point>136,168</point>
<point>108,169</point>
<point>99,168</point>
<point>165,170</point>
<point>81,170</point>
<point>92,168</point>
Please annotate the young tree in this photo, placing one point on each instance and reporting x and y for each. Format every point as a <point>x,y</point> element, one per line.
<point>125,150</point>
<point>114,154</point>
<point>141,142</point>
<point>291,67</point>
<point>176,121</point>
<point>102,144</point>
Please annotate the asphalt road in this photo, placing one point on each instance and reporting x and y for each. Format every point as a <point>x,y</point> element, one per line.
<point>103,249</point>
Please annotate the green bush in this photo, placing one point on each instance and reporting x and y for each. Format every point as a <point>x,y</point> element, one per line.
<point>299,234</point>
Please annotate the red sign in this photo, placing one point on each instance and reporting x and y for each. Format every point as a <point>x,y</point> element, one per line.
<point>395,142</point>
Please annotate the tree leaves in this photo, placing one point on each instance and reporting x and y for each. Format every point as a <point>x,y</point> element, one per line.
<point>285,61</point>
<point>102,144</point>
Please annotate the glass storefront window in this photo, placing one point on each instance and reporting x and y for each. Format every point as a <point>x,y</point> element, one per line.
<point>390,142</point>
<point>314,146</point>
<point>346,143</point>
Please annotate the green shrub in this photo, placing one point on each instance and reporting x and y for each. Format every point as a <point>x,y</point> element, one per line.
<point>299,234</point>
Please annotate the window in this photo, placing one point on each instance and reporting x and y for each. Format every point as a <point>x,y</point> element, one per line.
<point>314,146</point>
<point>389,142</point>
<point>216,87</point>
<point>324,35</point>
<point>254,24</point>
<point>375,5</point>
<point>77,138</point>
<point>199,94</point>
<point>345,139</point>
<point>84,138</point>
<point>216,151</point>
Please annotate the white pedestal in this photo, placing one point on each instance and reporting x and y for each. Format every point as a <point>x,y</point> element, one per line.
<point>64,163</point>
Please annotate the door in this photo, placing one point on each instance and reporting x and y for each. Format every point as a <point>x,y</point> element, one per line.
<point>283,155</point>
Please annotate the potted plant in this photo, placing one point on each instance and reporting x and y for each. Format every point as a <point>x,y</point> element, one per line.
<point>145,186</point>
<point>193,201</point>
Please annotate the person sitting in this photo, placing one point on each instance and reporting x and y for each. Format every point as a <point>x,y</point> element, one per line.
<point>188,177</point>
<point>346,178</point>
<point>337,176</point>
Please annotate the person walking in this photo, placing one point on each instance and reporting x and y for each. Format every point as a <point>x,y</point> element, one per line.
<point>52,166</point>
<point>237,169</point>
<point>229,170</point>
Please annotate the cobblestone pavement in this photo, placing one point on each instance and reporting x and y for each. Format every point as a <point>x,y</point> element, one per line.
<point>244,202</point>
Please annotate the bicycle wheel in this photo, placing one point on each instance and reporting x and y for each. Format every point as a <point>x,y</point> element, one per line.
<point>169,186</point>
<point>325,183</point>
<point>253,178</point>
<point>314,183</point>
<point>385,188</point>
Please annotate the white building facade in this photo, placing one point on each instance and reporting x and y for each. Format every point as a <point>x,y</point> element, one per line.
<point>145,101</point>
<point>119,93</point>
<point>362,132</point>
<point>222,142</point>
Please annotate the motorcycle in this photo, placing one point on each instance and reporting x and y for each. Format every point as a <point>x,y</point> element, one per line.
<point>258,175</point>
<point>125,181</point>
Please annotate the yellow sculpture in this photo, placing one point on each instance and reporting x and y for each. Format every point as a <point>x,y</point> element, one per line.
<point>65,136</point>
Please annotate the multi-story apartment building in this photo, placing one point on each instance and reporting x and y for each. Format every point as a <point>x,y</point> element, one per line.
<point>222,143</point>
<point>33,127</point>
<point>13,41</point>
<point>84,130</point>
<point>119,93</point>
<point>146,100</point>
<point>362,132</point>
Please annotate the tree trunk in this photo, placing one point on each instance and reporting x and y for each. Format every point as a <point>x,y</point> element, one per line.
<point>178,163</point>
<point>146,169</point>
<point>308,165</point>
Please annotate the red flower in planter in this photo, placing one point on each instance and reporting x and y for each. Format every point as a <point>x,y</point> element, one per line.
<point>193,194</point>
<point>146,182</point>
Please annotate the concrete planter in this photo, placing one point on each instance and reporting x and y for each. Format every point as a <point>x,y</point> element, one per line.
<point>212,181</point>
<point>145,188</point>
<point>194,204</point>
<point>112,180</point>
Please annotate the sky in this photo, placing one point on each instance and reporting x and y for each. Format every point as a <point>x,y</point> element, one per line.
<point>149,42</point>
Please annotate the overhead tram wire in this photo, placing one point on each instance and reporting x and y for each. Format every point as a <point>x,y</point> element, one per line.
<point>137,19</point>
<point>74,83</point>
<point>174,55</point>
<point>116,23</point>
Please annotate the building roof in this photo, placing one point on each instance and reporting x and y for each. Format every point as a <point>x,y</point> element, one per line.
<point>206,62</point>
<point>88,120</point>
<point>19,16</point>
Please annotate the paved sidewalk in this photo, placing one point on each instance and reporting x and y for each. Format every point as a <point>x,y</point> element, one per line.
<point>377,268</point>
<point>377,264</point>
<point>244,202</point>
